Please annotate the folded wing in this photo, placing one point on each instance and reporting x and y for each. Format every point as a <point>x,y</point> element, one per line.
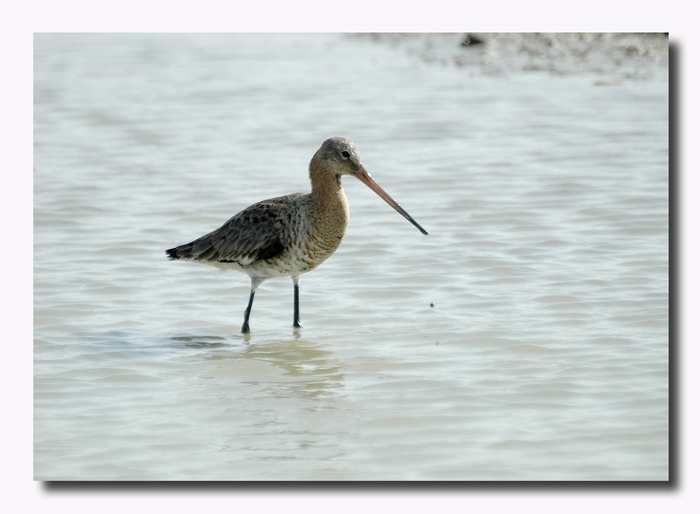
<point>255,233</point>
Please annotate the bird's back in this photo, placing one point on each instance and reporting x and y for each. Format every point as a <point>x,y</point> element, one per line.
<point>259,232</point>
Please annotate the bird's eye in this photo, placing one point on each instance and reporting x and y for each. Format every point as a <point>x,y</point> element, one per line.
<point>345,154</point>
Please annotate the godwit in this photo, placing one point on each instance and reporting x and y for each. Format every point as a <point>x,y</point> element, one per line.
<point>289,235</point>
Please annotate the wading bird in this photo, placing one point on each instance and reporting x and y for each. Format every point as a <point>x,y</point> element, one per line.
<point>289,235</point>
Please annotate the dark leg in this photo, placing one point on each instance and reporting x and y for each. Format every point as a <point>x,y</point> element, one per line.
<point>297,321</point>
<point>254,283</point>
<point>245,329</point>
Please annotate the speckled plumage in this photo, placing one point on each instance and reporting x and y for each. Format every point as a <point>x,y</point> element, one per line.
<point>289,235</point>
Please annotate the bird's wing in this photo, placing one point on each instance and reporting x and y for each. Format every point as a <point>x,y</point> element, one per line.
<point>255,233</point>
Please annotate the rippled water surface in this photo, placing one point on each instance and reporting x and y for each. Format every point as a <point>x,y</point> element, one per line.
<point>526,338</point>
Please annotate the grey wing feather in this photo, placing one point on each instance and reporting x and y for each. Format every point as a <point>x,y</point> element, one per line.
<point>256,232</point>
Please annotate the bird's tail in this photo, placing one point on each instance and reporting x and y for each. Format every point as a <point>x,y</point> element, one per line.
<point>179,252</point>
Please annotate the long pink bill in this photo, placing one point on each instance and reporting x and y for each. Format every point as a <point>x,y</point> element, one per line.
<point>364,177</point>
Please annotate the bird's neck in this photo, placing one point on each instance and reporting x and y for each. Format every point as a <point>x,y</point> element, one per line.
<point>328,203</point>
<point>325,186</point>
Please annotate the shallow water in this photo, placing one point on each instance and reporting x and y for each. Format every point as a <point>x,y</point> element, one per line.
<point>526,338</point>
